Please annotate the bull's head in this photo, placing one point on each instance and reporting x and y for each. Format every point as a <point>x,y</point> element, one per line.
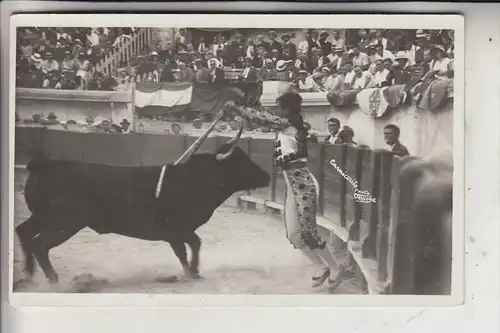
<point>239,171</point>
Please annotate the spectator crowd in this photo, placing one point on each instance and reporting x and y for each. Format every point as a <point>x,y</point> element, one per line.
<point>62,58</point>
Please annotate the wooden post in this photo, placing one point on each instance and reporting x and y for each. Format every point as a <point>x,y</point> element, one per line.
<point>386,158</point>
<point>369,244</point>
<point>272,185</point>
<point>354,231</point>
<point>321,181</point>
<point>343,187</point>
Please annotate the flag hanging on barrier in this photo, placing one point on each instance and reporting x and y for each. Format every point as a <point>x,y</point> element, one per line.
<point>160,98</point>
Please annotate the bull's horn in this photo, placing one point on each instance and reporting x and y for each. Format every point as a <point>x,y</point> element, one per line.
<point>233,141</point>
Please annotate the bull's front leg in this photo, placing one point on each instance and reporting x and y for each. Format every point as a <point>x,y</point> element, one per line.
<point>194,242</point>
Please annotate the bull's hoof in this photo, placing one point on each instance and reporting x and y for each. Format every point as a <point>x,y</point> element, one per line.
<point>167,279</point>
<point>196,275</point>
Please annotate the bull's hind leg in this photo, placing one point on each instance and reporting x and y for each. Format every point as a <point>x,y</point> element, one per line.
<point>194,243</point>
<point>26,231</point>
<point>180,251</point>
<point>46,240</point>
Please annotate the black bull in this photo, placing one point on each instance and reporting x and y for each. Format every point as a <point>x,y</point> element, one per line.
<point>65,197</point>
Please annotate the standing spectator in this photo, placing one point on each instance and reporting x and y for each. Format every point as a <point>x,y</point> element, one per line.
<point>125,126</point>
<point>326,46</point>
<point>122,38</point>
<point>93,38</point>
<point>288,45</point>
<point>414,53</point>
<point>250,82</point>
<point>391,137</point>
<point>216,74</point>
<point>26,48</point>
<point>274,44</point>
<point>333,127</point>
<point>214,47</point>
<point>166,74</point>
<point>318,60</point>
<point>259,42</point>
<point>124,80</point>
<point>360,59</point>
<point>304,45</point>
<point>337,42</point>
<point>45,48</point>
<point>201,46</point>
<point>363,40</point>
<point>181,38</point>
<point>176,128</point>
<point>391,41</point>
<point>400,73</point>
<point>345,136</point>
<point>310,136</point>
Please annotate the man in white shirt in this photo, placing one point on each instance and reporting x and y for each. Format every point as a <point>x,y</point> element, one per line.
<point>380,73</point>
<point>360,59</point>
<point>441,62</point>
<point>381,53</point>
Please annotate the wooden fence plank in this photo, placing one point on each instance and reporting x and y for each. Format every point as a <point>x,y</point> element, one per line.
<point>370,182</point>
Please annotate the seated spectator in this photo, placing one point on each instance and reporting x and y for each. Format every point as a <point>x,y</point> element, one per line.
<point>305,82</point>
<point>124,80</point>
<point>50,69</point>
<point>201,46</point>
<point>67,81</point>
<point>36,60</point>
<point>324,79</point>
<point>286,70</point>
<point>317,61</point>
<point>401,72</point>
<point>268,72</point>
<point>414,53</point>
<point>45,48</point>
<point>337,59</point>
<point>380,53</point>
<point>360,59</point>
<point>68,64</point>
<point>440,63</point>
<point>391,137</point>
<point>186,74</point>
<point>348,70</point>
<point>380,77</point>
<point>83,68</point>
<point>303,47</point>
<point>362,79</point>
<point>275,55</point>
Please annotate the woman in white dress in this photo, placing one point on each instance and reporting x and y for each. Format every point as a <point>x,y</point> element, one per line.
<point>290,153</point>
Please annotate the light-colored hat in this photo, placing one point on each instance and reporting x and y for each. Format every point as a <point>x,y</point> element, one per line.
<point>325,69</point>
<point>439,47</point>
<point>36,57</point>
<point>401,55</point>
<point>286,34</point>
<point>303,71</point>
<point>338,49</point>
<point>420,34</point>
<point>154,53</point>
<point>281,64</point>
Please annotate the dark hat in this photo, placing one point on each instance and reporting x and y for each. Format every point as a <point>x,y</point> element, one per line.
<point>67,52</point>
<point>323,33</point>
<point>125,121</point>
<point>338,49</point>
<point>51,116</point>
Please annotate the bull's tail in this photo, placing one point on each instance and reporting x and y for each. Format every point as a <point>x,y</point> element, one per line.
<point>34,189</point>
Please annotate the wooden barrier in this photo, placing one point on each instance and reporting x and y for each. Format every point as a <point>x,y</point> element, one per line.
<point>381,236</point>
